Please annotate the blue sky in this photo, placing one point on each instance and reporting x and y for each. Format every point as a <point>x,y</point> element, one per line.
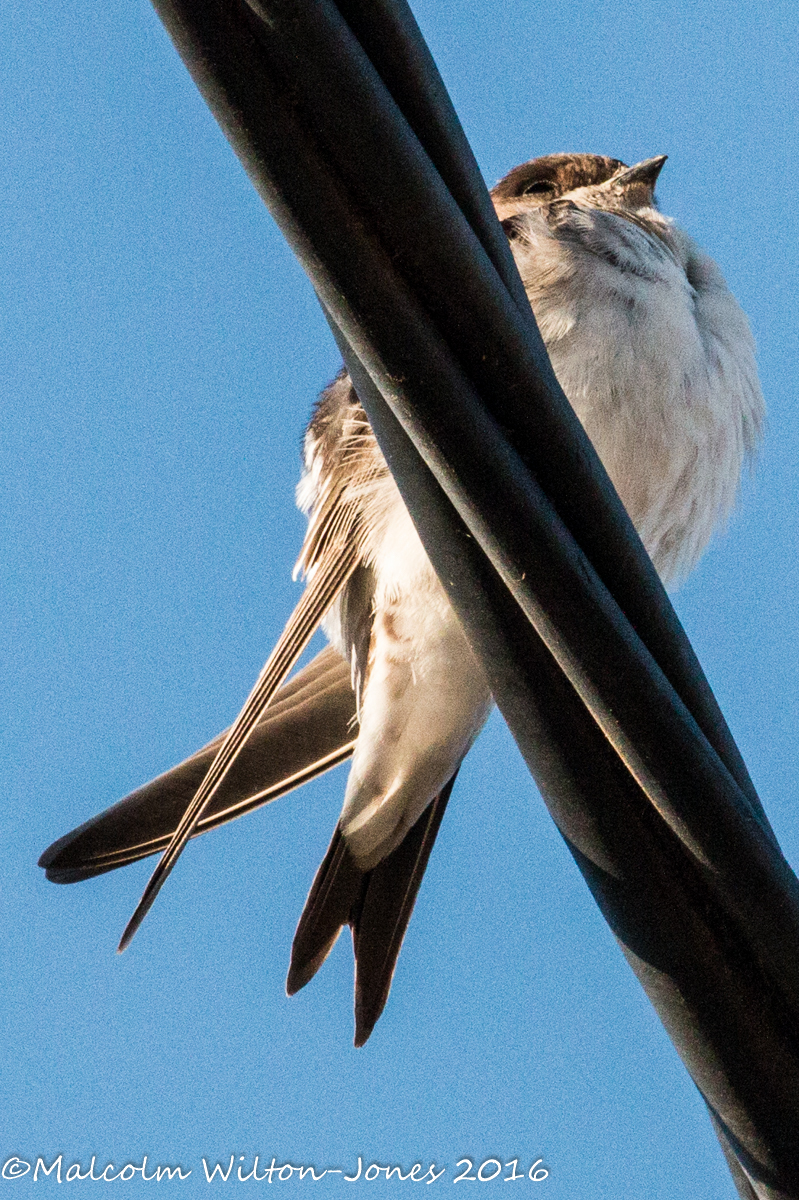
<point>160,353</point>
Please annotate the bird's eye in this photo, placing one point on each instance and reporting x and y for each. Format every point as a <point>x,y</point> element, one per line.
<point>541,188</point>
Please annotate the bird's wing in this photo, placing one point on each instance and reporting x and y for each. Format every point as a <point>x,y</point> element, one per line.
<point>330,574</point>
<point>376,904</point>
<point>308,728</point>
<point>342,463</point>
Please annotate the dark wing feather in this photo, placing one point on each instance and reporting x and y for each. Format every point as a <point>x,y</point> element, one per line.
<point>376,904</point>
<point>343,464</point>
<point>308,729</point>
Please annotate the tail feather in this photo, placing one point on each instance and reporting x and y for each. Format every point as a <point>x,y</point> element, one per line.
<point>334,895</point>
<point>376,904</point>
<point>382,919</point>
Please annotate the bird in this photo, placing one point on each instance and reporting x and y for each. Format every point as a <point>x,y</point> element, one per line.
<point>657,360</point>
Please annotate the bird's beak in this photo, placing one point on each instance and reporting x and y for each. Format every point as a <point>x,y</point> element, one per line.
<point>640,178</point>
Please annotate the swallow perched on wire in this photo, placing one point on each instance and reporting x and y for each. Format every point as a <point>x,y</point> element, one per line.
<point>657,360</point>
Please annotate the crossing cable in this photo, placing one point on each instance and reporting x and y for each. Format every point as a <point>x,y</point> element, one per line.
<point>342,122</point>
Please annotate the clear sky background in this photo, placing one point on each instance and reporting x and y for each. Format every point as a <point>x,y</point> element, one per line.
<point>160,353</point>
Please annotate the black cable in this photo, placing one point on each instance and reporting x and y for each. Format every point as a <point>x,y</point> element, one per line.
<point>388,215</point>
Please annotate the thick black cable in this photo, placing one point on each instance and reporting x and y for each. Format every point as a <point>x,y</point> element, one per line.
<point>392,334</point>
<point>224,47</point>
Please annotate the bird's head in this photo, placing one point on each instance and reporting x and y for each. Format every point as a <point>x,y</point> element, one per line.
<point>591,179</point>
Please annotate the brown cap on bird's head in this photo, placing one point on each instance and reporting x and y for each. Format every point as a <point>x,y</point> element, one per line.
<point>545,179</point>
